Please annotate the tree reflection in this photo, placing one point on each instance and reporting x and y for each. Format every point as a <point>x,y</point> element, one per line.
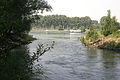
<point>108,58</point>
<point>109,63</point>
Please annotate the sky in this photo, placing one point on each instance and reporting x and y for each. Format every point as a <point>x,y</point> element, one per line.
<point>80,8</point>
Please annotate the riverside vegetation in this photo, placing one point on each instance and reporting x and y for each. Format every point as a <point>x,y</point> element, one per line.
<point>15,24</point>
<point>16,19</point>
<point>62,22</point>
<point>107,37</point>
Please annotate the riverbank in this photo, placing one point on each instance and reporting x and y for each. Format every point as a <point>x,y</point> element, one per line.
<point>111,42</point>
<point>10,42</point>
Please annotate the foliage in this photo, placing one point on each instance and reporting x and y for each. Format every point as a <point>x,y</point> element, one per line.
<point>115,34</point>
<point>15,15</point>
<point>58,21</point>
<point>14,66</point>
<point>82,39</point>
<point>114,25</point>
<point>41,49</point>
<point>102,20</point>
<point>111,45</point>
<point>92,34</point>
<point>18,63</point>
<point>82,28</point>
<point>110,25</point>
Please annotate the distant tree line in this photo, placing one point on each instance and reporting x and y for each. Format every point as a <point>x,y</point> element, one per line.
<point>62,21</point>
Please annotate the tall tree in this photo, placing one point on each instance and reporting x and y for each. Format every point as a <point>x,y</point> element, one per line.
<point>114,25</point>
<point>102,20</point>
<point>110,25</point>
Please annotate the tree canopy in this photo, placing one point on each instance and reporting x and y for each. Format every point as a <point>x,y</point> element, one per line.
<point>109,25</point>
<point>15,15</point>
<point>62,21</point>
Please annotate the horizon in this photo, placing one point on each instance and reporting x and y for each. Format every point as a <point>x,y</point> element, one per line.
<point>93,8</point>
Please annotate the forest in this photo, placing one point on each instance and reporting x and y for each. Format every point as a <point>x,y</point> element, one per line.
<point>64,22</point>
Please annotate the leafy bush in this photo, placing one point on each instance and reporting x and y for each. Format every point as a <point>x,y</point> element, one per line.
<point>115,34</point>
<point>92,34</point>
<point>82,39</point>
<point>110,25</point>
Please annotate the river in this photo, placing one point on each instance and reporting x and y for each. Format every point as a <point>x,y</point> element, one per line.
<point>71,60</point>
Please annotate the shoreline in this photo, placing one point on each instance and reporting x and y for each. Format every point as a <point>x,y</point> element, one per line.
<point>104,43</point>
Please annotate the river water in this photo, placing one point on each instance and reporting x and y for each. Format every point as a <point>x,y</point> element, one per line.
<point>69,59</point>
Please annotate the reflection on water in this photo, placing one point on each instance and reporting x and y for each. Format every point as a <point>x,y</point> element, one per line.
<point>108,62</point>
<point>69,60</point>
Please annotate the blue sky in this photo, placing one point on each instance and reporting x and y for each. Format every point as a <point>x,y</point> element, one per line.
<point>93,8</point>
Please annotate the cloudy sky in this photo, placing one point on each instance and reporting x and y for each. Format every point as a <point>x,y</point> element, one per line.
<point>93,8</point>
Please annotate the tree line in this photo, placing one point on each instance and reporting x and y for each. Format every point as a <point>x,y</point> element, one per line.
<point>64,22</point>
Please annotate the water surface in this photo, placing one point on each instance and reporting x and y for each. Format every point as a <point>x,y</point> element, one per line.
<point>71,60</point>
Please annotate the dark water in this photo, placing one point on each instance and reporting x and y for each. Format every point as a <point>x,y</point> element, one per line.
<point>70,60</point>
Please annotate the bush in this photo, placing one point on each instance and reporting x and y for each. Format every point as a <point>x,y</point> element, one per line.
<point>115,34</point>
<point>92,35</point>
<point>82,39</point>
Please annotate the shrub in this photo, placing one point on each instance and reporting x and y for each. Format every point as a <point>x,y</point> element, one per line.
<point>92,35</point>
<point>115,34</point>
<point>82,39</point>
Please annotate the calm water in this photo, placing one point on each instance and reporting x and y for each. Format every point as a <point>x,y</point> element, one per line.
<point>70,60</point>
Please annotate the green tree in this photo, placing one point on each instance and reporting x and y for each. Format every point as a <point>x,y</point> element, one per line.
<point>102,20</point>
<point>107,25</point>
<point>110,25</point>
<point>16,15</point>
<point>82,28</point>
<point>92,34</point>
<point>114,25</point>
